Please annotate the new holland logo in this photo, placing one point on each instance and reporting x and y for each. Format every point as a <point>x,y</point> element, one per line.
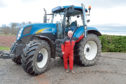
<point>41,30</point>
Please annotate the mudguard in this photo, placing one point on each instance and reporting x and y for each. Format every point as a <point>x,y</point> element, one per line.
<point>79,31</point>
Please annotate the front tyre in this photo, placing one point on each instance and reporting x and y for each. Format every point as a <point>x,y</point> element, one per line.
<point>36,57</point>
<point>17,60</point>
<point>88,50</point>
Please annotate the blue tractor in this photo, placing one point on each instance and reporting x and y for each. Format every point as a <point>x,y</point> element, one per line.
<point>37,43</point>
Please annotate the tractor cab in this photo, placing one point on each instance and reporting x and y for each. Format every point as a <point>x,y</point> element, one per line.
<point>67,18</point>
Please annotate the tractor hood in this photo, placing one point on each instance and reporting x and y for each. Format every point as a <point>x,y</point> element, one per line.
<point>36,29</point>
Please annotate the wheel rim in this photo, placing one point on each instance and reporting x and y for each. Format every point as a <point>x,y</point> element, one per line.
<point>90,50</point>
<point>42,58</point>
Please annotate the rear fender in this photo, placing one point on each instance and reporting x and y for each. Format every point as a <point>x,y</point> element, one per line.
<point>79,31</point>
<point>94,32</point>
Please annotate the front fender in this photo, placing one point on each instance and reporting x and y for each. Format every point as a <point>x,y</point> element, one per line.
<point>50,42</point>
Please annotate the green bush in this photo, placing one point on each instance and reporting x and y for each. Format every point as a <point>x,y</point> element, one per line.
<point>112,43</point>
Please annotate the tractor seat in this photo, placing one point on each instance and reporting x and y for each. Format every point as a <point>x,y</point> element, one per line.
<point>73,24</point>
<point>72,27</point>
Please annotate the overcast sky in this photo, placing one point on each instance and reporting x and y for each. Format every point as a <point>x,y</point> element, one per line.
<point>103,11</point>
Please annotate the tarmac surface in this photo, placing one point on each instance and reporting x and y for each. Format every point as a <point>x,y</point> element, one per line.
<point>110,69</point>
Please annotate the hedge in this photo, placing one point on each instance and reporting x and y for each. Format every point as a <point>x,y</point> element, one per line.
<point>111,43</point>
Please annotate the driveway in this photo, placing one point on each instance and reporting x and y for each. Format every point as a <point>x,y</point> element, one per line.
<point>110,69</point>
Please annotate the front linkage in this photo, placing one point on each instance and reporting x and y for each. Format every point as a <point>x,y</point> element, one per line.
<point>5,55</point>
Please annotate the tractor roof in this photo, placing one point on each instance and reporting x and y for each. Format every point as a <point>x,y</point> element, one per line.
<point>61,8</point>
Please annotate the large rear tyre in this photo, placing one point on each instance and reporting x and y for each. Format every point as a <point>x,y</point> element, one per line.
<point>88,50</point>
<point>36,57</point>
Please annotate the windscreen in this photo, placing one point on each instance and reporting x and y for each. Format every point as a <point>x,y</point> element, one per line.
<point>58,17</point>
<point>77,18</point>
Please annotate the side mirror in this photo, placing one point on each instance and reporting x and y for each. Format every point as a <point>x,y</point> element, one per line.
<point>78,16</point>
<point>88,21</point>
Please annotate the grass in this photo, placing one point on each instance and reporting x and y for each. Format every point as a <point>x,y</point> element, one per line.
<point>4,48</point>
<point>7,34</point>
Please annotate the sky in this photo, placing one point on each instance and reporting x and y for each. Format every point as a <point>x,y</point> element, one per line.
<point>104,12</point>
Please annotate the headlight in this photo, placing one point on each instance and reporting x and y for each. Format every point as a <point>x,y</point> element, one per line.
<point>19,33</point>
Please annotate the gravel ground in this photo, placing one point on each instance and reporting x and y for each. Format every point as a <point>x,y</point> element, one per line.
<point>111,69</point>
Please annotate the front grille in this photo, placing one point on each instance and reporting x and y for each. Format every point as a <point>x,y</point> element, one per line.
<point>27,30</point>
